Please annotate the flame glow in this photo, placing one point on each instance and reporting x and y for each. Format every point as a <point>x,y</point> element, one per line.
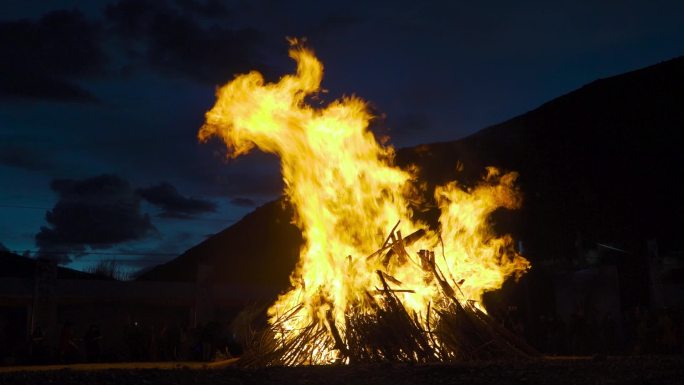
<point>347,196</point>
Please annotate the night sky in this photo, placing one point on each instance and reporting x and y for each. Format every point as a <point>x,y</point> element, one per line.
<point>100,101</point>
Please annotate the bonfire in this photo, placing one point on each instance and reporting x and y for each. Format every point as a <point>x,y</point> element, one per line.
<point>372,282</point>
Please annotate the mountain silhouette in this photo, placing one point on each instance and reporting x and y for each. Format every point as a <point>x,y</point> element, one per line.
<point>598,165</point>
<point>17,266</point>
<point>258,251</point>
<point>601,163</point>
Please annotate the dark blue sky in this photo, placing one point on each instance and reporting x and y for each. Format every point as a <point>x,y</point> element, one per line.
<point>100,101</point>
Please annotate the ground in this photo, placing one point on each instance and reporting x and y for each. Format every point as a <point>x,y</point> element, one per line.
<point>629,370</point>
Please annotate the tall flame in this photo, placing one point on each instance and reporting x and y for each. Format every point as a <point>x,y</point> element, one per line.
<point>347,195</point>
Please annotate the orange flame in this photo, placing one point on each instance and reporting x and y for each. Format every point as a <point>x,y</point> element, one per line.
<point>347,196</point>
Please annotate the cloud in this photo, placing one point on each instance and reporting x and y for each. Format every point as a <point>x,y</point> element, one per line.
<point>243,202</point>
<point>96,212</point>
<point>170,39</point>
<point>12,155</point>
<point>43,59</point>
<point>167,197</point>
<point>49,58</point>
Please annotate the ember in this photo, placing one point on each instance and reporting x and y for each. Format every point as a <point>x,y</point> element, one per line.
<point>358,294</point>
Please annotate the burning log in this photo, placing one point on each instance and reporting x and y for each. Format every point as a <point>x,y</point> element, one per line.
<point>384,330</point>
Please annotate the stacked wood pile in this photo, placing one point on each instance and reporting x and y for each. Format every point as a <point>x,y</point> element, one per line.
<point>452,330</point>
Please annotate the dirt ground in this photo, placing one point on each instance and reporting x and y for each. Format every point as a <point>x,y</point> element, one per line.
<point>627,370</point>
